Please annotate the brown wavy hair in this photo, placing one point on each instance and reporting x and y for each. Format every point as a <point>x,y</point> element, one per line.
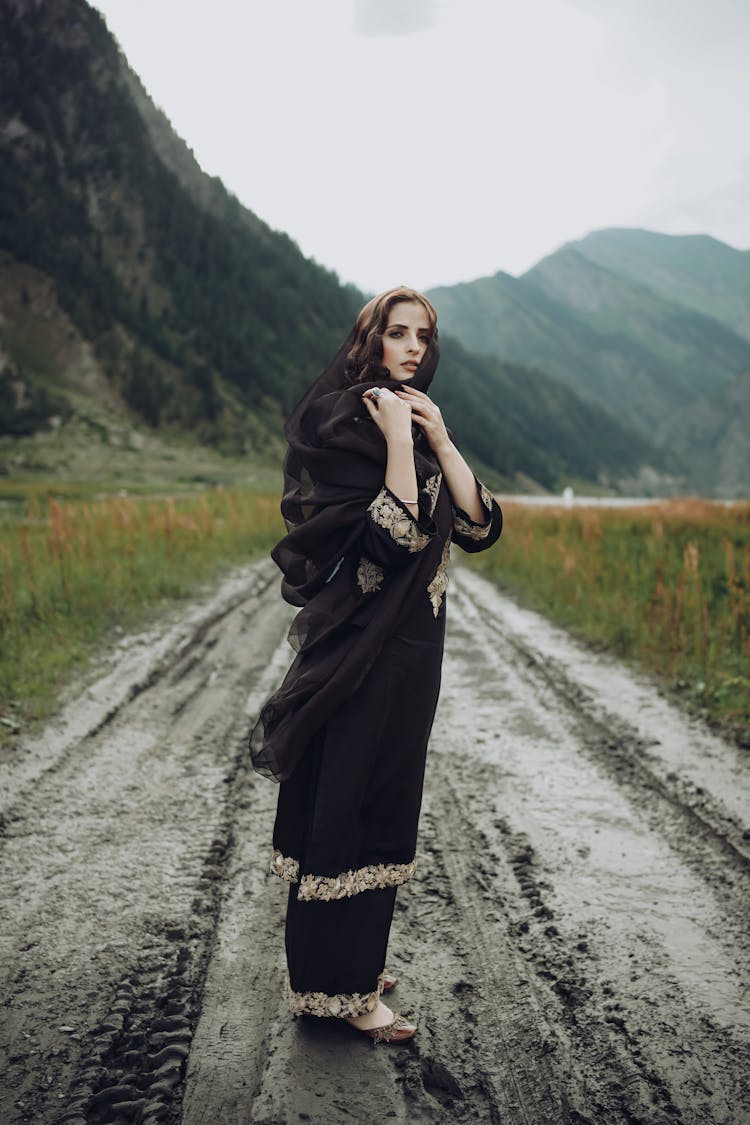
<point>364,362</point>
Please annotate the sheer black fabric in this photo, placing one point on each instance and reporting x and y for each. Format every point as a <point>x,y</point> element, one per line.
<point>333,471</point>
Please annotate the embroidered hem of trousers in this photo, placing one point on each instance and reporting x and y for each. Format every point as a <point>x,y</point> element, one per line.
<point>336,951</point>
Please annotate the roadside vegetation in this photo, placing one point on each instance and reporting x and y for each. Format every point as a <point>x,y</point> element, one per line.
<point>666,586</point>
<point>73,570</point>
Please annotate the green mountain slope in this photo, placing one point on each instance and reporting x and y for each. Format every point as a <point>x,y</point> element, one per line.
<point>133,282</point>
<point>643,358</point>
<point>539,424</point>
<point>196,309</point>
<point>695,270</point>
<point>679,352</point>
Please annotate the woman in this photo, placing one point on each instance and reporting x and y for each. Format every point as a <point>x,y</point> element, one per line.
<point>375,492</point>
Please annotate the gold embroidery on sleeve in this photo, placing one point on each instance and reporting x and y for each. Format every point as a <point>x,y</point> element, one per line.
<point>402,528</point>
<point>431,488</point>
<point>471,530</point>
<point>369,576</point>
<point>438,586</point>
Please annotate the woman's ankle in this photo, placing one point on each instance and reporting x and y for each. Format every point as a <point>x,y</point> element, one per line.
<point>378,1017</point>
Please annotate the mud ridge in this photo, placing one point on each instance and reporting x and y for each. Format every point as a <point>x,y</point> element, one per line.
<point>137,1062</point>
<point>580,1012</point>
<point>137,665</point>
<point>627,755</point>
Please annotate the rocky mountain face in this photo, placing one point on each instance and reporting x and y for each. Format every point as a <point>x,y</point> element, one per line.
<point>131,280</point>
<point>653,328</point>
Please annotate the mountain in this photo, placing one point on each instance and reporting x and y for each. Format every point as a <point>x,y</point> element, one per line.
<point>649,327</point>
<point>134,286</point>
<point>694,270</point>
<point>194,308</point>
<point>712,432</point>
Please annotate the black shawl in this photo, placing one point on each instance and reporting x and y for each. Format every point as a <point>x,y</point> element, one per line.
<point>333,470</point>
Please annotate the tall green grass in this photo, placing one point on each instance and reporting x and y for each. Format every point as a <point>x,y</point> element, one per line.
<point>667,586</point>
<point>71,571</point>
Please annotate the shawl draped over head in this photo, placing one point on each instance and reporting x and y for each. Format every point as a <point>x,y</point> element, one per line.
<point>333,471</point>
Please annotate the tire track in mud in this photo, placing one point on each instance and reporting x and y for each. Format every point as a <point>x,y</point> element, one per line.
<point>113,862</point>
<point>574,944</point>
<point>615,875</point>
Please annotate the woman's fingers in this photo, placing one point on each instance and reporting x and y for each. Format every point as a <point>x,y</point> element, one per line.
<point>416,404</point>
<point>391,414</point>
<point>423,409</point>
<point>418,407</point>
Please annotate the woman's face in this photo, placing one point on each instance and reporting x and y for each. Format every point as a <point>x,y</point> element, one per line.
<point>405,338</point>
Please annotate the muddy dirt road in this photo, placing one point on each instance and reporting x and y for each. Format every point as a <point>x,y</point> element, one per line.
<point>575,944</point>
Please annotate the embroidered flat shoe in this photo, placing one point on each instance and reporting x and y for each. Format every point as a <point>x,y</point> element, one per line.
<point>399,1030</point>
<point>389,981</point>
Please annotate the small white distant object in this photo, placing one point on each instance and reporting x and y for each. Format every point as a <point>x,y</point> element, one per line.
<point>568,496</point>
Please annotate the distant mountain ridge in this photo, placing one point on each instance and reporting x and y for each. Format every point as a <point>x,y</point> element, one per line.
<point>694,270</point>
<point>130,278</point>
<point>653,328</point>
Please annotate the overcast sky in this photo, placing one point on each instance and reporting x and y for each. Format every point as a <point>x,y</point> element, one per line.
<point>435,141</point>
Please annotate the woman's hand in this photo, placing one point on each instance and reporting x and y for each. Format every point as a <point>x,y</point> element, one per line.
<point>427,415</point>
<point>389,413</point>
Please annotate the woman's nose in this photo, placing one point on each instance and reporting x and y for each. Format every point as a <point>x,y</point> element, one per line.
<point>413,344</point>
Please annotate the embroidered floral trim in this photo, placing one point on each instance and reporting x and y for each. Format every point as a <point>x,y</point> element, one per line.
<point>431,488</point>
<point>402,528</point>
<point>369,576</point>
<point>285,867</point>
<point>373,878</point>
<point>467,527</point>
<point>341,1005</point>
<point>326,888</point>
<point>438,586</point>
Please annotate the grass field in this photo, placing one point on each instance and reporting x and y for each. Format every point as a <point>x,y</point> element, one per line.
<point>71,570</point>
<point>666,586</point>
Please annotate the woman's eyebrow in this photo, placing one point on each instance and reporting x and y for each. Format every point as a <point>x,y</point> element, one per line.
<point>420,329</point>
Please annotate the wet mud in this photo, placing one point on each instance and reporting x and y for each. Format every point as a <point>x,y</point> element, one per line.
<point>574,946</point>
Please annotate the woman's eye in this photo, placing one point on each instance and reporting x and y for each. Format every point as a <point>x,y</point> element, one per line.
<point>394,335</point>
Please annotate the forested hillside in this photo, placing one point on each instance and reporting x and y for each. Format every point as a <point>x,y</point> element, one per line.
<point>194,310</point>
<point>696,271</point>
<point>130,279</point>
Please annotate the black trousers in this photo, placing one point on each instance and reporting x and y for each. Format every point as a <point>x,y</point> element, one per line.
<point>352,805</point>
<point>338,948</point>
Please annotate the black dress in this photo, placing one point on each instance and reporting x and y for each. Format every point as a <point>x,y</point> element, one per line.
<point>346,824</point>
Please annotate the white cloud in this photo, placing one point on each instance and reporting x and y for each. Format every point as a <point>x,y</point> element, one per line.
<point>480,143</point>
<point>393,17</point>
